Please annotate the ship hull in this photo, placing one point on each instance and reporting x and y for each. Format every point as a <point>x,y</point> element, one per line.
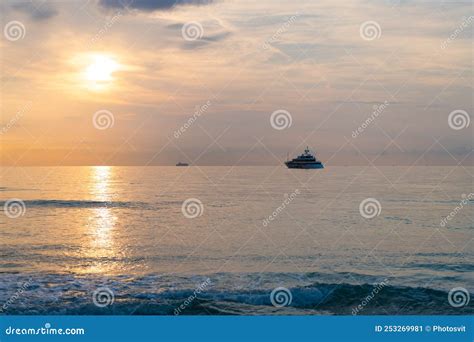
<point>292,165</point>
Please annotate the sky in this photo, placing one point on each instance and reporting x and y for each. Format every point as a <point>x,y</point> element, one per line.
<point>154,82</point>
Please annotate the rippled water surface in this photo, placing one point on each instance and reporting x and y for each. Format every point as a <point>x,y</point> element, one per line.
<point>123,228</point>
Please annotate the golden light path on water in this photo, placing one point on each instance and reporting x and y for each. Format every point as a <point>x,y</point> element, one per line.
<point>101,222</point>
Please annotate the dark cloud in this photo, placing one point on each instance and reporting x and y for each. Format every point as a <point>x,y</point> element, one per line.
<point>212,32</point>
<point>38,13</point>
<point>205,41</point>
<point>151,5</point>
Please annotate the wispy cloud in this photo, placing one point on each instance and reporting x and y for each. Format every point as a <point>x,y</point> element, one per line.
<point>151,5</point>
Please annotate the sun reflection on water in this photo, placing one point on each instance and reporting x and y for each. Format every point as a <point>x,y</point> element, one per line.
<point>102,222</point>
<point>100,183</point>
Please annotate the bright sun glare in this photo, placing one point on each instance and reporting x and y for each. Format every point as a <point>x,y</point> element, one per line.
<point>99,72</point>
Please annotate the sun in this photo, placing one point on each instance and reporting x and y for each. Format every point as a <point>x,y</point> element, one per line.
<point>99,71</point>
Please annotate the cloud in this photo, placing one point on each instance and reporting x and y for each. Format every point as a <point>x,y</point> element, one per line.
<point>212,31</point>
<point>205,41</point>
<point>151,5</point>
<point>40,13</point>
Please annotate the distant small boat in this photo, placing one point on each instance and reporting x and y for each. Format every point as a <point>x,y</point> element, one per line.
<point>304,161</point>
<point>182,164</point>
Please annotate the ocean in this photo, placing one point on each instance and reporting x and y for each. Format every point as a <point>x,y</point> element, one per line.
<point>236,240</point>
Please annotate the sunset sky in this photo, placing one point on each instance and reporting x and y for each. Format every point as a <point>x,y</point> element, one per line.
<point>148,66</point>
